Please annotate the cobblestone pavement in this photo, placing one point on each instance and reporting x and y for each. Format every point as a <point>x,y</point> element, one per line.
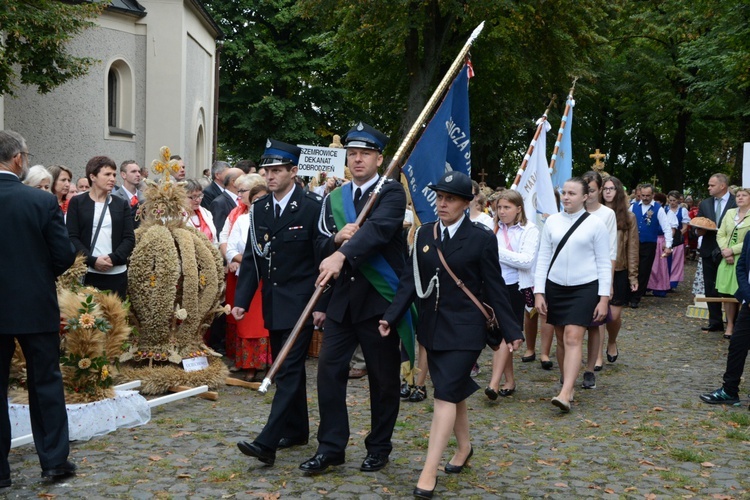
<point>641,433</point>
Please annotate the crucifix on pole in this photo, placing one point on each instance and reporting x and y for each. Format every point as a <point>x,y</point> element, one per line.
<point>598,164</point>
<point>482,175</point>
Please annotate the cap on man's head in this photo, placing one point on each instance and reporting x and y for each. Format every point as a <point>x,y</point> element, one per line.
<point>365,137</point>
<point>279,153</point>
<point>457,183</point>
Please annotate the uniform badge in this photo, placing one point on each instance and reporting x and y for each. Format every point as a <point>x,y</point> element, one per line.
<point>265,237</point>
<point>267,205</point>
<point>268,143</point>
<point>360,126</point>
<point>293,204</point>
<point>426,248</point>
<point>449,178</point>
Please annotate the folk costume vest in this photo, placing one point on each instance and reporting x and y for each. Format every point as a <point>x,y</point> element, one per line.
<point>648,223</point>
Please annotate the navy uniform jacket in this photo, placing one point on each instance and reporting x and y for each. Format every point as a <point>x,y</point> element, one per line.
<point>36,250</point>
<point>457,323</point>
<point>289,282</point>
<point>81,226</point>
<point>380,233</point>
<point>742,268</point>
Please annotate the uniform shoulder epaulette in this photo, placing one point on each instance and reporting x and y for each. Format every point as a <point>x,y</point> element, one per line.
<point>314,196</point>
<point>388,179</point>
<point>481,226</point>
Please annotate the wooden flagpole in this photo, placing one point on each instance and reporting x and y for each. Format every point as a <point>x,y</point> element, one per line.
<point>406,143</point>
<point>563,121</point>
<point>525,161</point>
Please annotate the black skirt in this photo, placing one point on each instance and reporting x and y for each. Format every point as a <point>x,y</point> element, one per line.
<point>621,288</point>
<point>571,305</point>
<point>451,374</point>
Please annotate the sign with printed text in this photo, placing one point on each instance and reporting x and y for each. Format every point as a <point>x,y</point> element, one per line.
<point>316,159</point>
<point>195,364</point>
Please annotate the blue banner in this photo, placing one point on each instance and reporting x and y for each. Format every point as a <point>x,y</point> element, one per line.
<point>445,145</point>
<point>563,169</point>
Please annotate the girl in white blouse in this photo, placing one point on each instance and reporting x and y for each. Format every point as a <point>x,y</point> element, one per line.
<point>574,289</point>
<point>517,245</point>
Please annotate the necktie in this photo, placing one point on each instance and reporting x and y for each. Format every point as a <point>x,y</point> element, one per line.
<point>446,237</point>
<point>278,211</point>
<point>717,209</point>
<point>357,196</point>
<point>133,201</point>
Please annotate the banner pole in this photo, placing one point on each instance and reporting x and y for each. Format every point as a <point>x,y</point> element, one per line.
<point>561,131</point>
<point>529,152</point>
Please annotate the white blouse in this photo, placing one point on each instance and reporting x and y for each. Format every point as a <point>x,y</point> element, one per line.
<point>238,238</point>
<point>607,215</point>
<point>523,258</point>
<point>589,244</point>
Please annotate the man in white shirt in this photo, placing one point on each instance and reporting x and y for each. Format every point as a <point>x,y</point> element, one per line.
<point>648,230</point>
<point>131,178</point>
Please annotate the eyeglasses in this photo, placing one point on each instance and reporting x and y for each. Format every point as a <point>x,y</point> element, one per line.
<point>612,188</point>
<point>28,155</point>
<point>197,197</point>
<point>243,191</point>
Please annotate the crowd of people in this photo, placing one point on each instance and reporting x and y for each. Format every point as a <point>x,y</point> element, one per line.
<point>485,273</point>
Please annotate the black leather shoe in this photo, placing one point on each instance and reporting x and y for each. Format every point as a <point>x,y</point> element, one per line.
<point>456,469</point>
<point>712,328</point>
<point>418,395</point>
<point>491,393</point>
<point>634,305</point>
<point>420,493</point>
<point>289,442</point>
<point>262,453</point>
<point>5,482</point>
<point>546,365</point>
<point>528,359</point>
<point>506,392</point>
<point>374,462</point>
<point>320,462</point>
<point>405,390</point>
<point>612,359</point>
<point>61,471</point>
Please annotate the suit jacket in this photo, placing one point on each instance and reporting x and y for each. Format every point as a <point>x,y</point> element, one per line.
<point>80,222</point>
<point>210,194</point>
<point>380,233</point>
<point>742,268</point>
<point>220,208</point>
<point>706,209</point>
<point>133,209</point>
<point>37,249</point>
<point>289,276</point>
<point>455,322</point>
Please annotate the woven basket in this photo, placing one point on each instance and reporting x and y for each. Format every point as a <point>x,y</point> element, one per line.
<point>317,339</point>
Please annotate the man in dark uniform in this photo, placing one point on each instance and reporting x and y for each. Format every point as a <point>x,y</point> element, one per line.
<point>36,250</point>
<point>359,258</point>
<point>281,251</point>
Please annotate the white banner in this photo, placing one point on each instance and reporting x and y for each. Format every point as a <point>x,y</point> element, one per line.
<point>535,185</point>
<point>316,159</point>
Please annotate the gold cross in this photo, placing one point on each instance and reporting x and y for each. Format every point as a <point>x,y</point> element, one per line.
<point>483,174</point>
<point>654,180</point>
<point>598,164</point>
<point>164,165</point>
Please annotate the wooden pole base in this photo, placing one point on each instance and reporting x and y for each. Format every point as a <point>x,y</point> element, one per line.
<point>242,383</point>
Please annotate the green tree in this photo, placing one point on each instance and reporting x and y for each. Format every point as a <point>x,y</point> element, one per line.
<point>276,77</point>
<point>33,38</point>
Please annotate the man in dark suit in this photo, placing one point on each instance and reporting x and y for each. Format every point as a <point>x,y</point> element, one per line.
<point>739,343</point>
<point>282,251</point>
<point>131,178</point>
<point>356,305</point>
<point>36,250</point>
<point>719,196</point>
<point>226,201</point>
<point>218,170</point>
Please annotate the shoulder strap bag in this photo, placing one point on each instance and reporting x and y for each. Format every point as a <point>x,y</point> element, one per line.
<point>564,239</point>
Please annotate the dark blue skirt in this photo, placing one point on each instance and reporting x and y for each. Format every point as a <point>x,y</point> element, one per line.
<point>571,305</point>
<point>451,374</point>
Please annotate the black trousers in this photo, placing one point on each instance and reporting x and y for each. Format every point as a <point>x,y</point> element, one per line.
<point>49,418</point>
<point>117,283</point>
<point>383,365</point>
<point>739,344</point>
<point>288,417</point>
<point>715,319</point>
<point>646,254</point>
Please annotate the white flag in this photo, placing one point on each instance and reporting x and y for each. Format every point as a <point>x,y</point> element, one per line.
<point>535,185</point>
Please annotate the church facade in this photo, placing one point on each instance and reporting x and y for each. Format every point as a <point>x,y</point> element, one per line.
<point>154,85</point>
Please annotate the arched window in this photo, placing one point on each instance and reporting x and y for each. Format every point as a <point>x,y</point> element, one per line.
<point>120,97</point>
<point>200,150</point>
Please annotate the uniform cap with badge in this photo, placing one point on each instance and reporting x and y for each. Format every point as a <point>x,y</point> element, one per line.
<point>364,136</point>
<point>457,183</point>
<point>279,153</point>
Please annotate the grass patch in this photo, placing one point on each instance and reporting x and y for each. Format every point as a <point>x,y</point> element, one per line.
<point>674,477</point>
<point>739,418</point>
<point>687,455</point>
<point>737,435</point>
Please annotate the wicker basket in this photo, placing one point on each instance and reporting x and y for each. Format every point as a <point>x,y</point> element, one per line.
<point>317,339</point>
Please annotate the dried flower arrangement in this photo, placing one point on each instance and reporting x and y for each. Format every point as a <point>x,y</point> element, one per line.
<point>175,285</point>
